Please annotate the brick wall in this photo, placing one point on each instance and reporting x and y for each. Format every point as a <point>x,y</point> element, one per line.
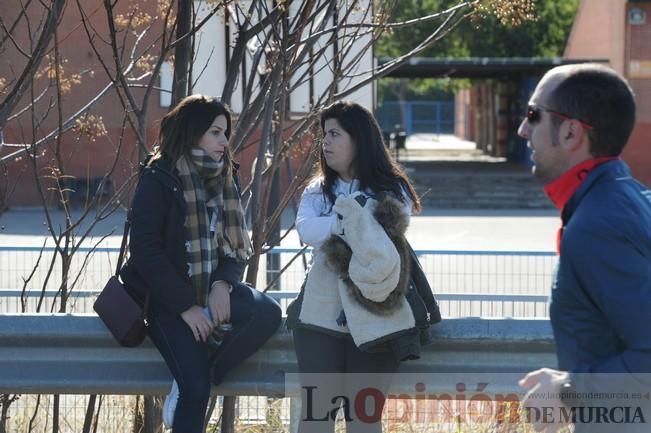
<point>638,71</point>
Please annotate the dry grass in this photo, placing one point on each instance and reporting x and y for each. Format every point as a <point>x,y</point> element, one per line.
<point>255,415</point>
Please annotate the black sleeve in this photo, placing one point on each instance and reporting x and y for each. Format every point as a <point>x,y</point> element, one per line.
<point>229,270</point>
<point>149,209</point>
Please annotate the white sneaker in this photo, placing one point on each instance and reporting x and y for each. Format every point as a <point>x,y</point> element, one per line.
<point>169,406</point>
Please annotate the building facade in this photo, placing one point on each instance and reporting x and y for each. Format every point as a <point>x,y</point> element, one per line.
<point>620,31</point>
<point>86,160</point>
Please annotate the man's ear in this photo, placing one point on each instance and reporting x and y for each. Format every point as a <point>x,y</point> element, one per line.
<point>572,134</point>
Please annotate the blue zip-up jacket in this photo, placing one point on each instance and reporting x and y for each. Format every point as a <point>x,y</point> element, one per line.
<point>601,296</point>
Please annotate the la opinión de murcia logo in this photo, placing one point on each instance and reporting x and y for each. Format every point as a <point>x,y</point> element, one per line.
<point>586,415</point>
<point>462,406</point>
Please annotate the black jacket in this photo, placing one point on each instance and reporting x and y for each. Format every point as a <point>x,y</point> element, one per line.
<point>157,259</point>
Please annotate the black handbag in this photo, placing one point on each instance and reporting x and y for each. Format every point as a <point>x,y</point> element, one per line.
<point>125,317</point>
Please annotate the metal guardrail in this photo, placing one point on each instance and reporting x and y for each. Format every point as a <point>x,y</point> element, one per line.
<point>75,354</point>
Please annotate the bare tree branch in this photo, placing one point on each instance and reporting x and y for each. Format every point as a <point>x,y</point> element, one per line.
<point>21,15</point>
<point>16,93</point>
<point>67,125</point>
<point>13,41</point>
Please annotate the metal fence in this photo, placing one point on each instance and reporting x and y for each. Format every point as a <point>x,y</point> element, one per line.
<point>467,283</point>
<point>436,117</point>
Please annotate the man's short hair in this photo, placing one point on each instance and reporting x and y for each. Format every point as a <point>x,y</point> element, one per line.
<point>599,96</point>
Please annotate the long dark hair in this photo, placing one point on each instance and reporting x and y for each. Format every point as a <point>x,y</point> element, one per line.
<point>373,166</point>
<point>182,128</point>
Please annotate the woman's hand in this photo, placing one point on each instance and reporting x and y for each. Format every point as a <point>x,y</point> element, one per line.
<point>219,301</point>
<point>200,325</point>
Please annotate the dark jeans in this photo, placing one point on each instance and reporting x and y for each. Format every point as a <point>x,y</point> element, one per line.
<point>254,316</point>
<point>331,366</point>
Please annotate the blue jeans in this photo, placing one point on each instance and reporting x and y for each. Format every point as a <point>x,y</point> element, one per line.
<point>254,316</point>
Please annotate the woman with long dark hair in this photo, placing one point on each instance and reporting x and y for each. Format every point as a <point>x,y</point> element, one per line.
<point>189,246</point>
<point>354,318</point>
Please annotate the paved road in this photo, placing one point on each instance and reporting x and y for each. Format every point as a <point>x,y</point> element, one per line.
<point>434,229</point>
<point>510,230</point>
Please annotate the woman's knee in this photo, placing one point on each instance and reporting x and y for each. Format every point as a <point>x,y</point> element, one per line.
<point>269,312</point>
<point>259,308</point>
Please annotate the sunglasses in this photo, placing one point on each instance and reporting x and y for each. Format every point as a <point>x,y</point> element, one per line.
<point>534,113</point>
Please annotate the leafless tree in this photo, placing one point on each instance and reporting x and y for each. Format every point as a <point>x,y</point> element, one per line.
<point>278,47</point>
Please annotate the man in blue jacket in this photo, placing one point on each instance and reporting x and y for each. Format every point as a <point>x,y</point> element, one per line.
<point>578,121</point>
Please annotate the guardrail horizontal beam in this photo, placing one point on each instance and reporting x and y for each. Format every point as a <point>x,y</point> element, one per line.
<point>75,354</point>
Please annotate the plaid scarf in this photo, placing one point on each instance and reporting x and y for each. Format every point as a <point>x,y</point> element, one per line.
<point>206,187</point>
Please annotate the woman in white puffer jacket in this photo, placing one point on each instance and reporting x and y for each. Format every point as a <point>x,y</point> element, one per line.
<point>354,214</point>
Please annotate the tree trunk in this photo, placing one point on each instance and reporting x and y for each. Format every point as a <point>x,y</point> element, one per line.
<point>228,414</point>
<point>152,415</point>
<point>90,411</point>
<point>55,414</point>
<point>137,416</point>
<point>5,402</point>
<point>182,52</point>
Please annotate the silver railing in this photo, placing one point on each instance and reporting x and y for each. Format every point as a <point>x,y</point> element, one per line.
<point>75,354</point>
<point>466,283</point>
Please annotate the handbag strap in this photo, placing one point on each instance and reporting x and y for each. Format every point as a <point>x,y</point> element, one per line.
<point>123,246</point>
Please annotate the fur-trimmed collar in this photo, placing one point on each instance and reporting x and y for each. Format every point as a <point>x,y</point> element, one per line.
<point>389,213</point>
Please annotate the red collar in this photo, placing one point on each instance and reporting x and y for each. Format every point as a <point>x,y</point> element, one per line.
<point>560,190</point>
